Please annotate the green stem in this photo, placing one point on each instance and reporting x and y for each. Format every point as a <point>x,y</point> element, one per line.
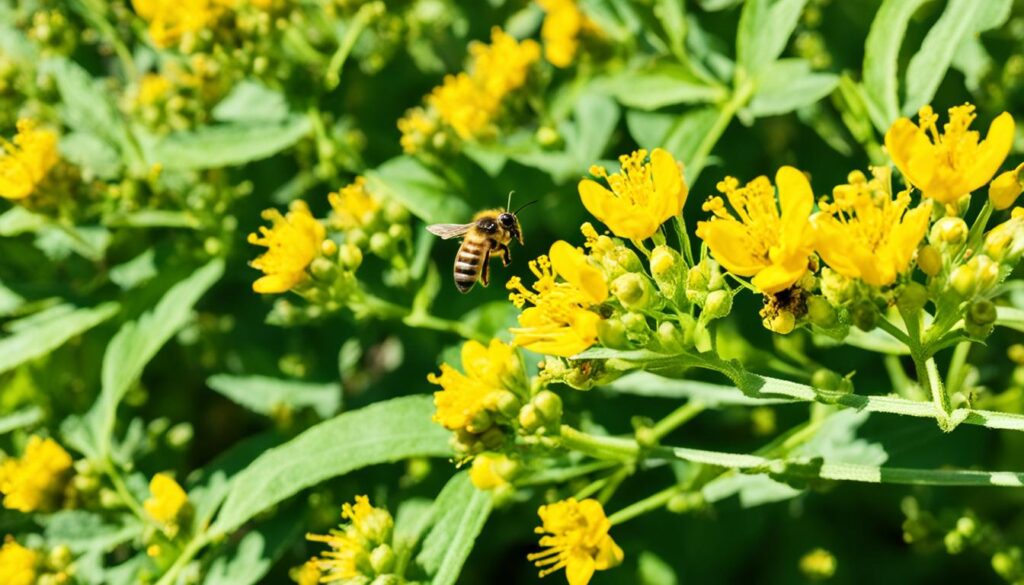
<point>888,326</point>
<point>96,15</point>
<point>190,551</point>
<point>684,239</point>
<point>648,504</point>
<point>900,381</point>
<point>126,495</point>
<point>608,448</point>
<point>355,28</point>
<point>739,99</point>
<point>956,373</point>
<point>929,379</point>
<point>427,321</point>
<point>562,475</point>
<point>675,419</point>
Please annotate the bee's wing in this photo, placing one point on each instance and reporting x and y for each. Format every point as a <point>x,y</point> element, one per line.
<point>448,231</point>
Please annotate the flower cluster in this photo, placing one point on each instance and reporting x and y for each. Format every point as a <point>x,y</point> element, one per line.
<point>26,160</point>
<point>564,24</point>
<point>168,503</point>
<point>37,479</point>
<point>575,536</point>
<point>360,550</point>
<point>470,103</point>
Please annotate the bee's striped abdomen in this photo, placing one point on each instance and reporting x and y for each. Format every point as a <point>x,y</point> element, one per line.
<point>467,264</point>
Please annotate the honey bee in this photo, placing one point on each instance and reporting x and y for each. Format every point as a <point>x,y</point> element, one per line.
<point>490,232</point>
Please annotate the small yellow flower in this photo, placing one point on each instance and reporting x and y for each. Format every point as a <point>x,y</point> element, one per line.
<point>169,20</point>
<point>354,206</point>
<point>489,371</point>
<point>307,574</point>
<point>351,544</point>
<point>559,322</point>
<point>36,481</point>
<point>153,88</point>
<point>167,499</point>
<point>462,104</point>
<point>865,233</point>
<point>293,241</point>
<point>946,166</point>
<point>26,160</point>
<point>1004,189</point>
<point>577,540</point>
<point>418,129</point>
<point>1005,242</point>
<point>17,563</point>
<point>504,65</point>
<point>758,239</point>
<point>643,195</point>
<point>563,23</point>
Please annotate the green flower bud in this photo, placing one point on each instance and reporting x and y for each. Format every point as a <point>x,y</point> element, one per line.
<point>381,244</point>
<point>635,323</point>
<point>530,418</point>
<point>781,321</point>
<point>980,318</point>
<point>322,269</point>
<point>929,260</point>
<point>357,237</point>
<point>632,290</point>
<point>912,297</point>
<point>818,565</point>
<point>492,440</point>
<point>954,542</point>
<point>967,526</point>
<point>395,212</point>
<point>826,379</point>
<point>329,248</point>
<point>864,315</point>
<point>612,333</point>
<point>948,231</point>
<point>504,402</point>
<point>547,136</point>
<point>663,260</point>
<point>697,284</point>
<point>838,289</point>
<point>1005,563</point>
<point>549,406</point>
<point>1005,188</point>
<point>382,559</point>
<point>821,312</point>
<point>670,337</point>
<point>351,257</point>
<point>388,579</point>
<point>718,304</point>
<point>625,259</point>
<point>480,422</point>
<point>685,502</point>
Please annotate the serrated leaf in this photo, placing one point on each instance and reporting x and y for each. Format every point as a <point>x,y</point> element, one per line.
<point>20,419</point>
<point>136,271</point>
<point>267,395</point>
<point>460,513</point>
<point>91,154</point>
<point>251,101</point>
<point>249,560</point>
<point>380,433</point>
<point>764,29</point>
<point>83,531</point>
<point>50,330</point>
<point>226,145</point>
<point>971,57</point>
<point>929,65</point>
<point>426,195</point>
<point>136,344</point>
<point>881,54</point>
<point>787,85</point>
<point>659,86</point>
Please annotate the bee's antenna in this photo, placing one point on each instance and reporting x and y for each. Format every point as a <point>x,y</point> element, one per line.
<point>524,206</point>
<point>509,204</point>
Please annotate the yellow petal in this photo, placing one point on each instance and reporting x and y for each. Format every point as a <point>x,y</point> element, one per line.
<point>277,283</point>
<point>730,245</point>
<point>796,200</point>
<point>992,152</point>
<point>579,568</point>
<point>608,555</point>
<point>669,187</point>
<point>569,262</point>
<point>625,220</point>
<point>779,277</point>
<point>902,140</point>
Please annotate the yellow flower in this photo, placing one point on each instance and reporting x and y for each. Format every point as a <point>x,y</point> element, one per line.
<point>353,205</point>
<point>488,471</point>
<point>867,234</point>
<point>153,88</point>
<point>1004,189</point>
<point>293,241</point>
<point>351,544</point>
<point>167,499</point>
<point>463,105</point>
<point>17,563</point>
<point>490,371</point>
<point>562,26</point>
<point>1005,242</point>
<point>504,65</point>
<point>577,540</point>
<point>36,481</point>
<point>418,129</point>
<point>643,195</point>
<point>26,160</point>
<point>169,20</point>
<point>757,239</point>
<point>307,574</point>
<point>559,322</point>
<point>947,166</point>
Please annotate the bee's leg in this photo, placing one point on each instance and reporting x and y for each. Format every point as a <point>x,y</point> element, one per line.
<point>506,254</point>
<point>485,269</point>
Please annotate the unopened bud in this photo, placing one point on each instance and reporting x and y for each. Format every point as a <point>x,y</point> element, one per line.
<point>549,406</point>
<point>322,268</point>
<point>718,304</point>
<point>912,297</point>
<point>697,283</point>
<point>980,318</point>
<point>493,439</point>
<point>821,313</point>
<point>381,244</point>
<point>351,256</point>
<point>612,333</point>
<point>670,337</point>
<point>948,231</point>
<point>663,259</point>
<point>632,290</point>
<point>1004,189</point>
<point>864,315</point>
<point>547,136</point>
<point>504,402</point>
<point>826,379</point>
<point>954,542</point>
<point>781,321</point>
<point>929,259</point>
<point>635,323</point>
<point>382,559</point>
<point>530,419</point>
<point>626,259</point>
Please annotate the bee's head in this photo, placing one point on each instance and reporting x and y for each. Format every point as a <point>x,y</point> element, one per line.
<point>510,222</point>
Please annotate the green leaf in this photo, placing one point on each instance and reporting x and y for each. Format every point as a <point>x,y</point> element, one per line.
<point>83,531</point>
<point>20,419</point>
<point>50,330</point>
<point>764,29</point>
<point>460,511</point>
<point>151,218</point>
<point>787,85</point>
<point>412,520</point>
<point>226,145</point>
<point>251,101</point>
<point>971,57</point>
<point>596,116</point>
<point>91,154</point>
<point>252,557</point>
<point>881,54</point>
<point>652,570</point>
<point>929,65</point>
<point>672,15</point>
<point>711,395</point>
<point>267,395</point>
<point>679,135</point>
<point>135,272</point>
<point>1010,317</point>
<point>659,86</point>
<point>405,180</point>
<point>136,344</point>
<point>380,433</point>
